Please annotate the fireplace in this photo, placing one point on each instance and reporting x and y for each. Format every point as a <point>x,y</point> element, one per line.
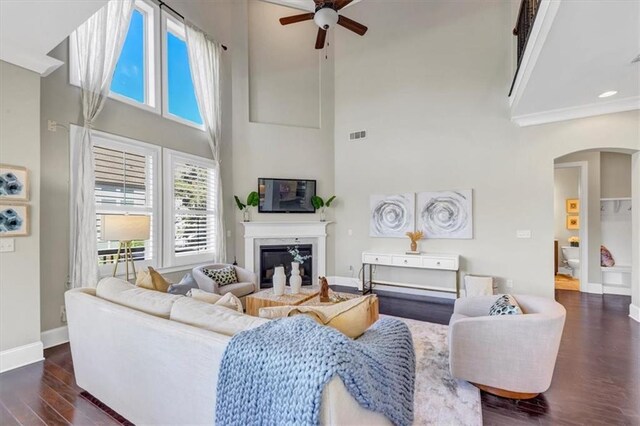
<point>282,255</point>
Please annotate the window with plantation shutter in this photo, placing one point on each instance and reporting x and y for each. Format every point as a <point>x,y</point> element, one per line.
<point>190,212</point>
<point>126,182</point>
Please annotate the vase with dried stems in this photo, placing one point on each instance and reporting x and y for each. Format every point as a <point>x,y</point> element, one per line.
<point>415,237</point>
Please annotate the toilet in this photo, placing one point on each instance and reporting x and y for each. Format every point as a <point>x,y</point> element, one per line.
<point>572,258</point>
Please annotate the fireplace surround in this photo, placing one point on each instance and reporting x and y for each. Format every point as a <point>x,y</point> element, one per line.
<point>288,234</point>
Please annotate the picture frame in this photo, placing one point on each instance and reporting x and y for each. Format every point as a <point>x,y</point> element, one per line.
<point>14,220</point>
<point>14,183</point>
<point>573,205</point>
<point>573,222</point>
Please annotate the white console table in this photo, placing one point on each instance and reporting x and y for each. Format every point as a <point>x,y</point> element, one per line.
<point>442,262</point>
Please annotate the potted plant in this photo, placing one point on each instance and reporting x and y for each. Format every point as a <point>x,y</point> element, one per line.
<point>574,241</point>
<point>253,199</point>
<point>319,204</point>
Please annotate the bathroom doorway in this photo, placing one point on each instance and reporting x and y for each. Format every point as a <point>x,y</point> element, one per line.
<point>593,222</point>
<point>570,224</point>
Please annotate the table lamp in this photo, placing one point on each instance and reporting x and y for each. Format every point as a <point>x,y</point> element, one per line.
<point>125,229</point>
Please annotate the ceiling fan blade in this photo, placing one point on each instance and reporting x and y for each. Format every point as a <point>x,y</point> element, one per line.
<point>352,25</point>
<point>339,4</point>
<point>296,18</point>
<point>322,36</point>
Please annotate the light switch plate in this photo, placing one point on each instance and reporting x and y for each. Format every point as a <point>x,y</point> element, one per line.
<point>6,245</point>
<point>523,233</point>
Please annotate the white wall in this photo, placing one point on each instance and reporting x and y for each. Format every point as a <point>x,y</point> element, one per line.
<point>616,226</point>
<point>61,103</point>
<point>566,183</point>
<point>20,270</point>
<point>429,83</point>
<point>295,148</point>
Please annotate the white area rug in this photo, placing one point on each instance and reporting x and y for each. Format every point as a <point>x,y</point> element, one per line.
<point>439,398</point>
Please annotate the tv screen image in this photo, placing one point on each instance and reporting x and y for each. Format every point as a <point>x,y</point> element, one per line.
<point>286,195</point>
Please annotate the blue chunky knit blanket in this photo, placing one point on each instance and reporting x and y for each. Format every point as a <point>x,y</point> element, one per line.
<point>275,374</point>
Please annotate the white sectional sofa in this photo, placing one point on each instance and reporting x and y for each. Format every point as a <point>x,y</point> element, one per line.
<point>154,358</point>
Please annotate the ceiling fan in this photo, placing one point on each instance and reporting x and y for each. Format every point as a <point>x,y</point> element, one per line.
<point>326,16</point>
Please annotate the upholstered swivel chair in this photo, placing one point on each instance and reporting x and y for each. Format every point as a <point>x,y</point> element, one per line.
<point>247,281</point>
<point>512,356</point>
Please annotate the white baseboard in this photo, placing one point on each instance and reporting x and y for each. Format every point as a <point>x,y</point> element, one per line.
<point>20,356</point>
<point>54,337</point>
<point>345,281</point>
<point>594,288</point>
<point>634,312</point>
<point>614,289</point>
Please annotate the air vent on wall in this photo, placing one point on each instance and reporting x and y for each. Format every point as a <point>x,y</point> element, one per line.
<point>357,135</point>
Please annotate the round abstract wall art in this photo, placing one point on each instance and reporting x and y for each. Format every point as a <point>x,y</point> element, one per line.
<point>392,215</point>
<point>446,214</point>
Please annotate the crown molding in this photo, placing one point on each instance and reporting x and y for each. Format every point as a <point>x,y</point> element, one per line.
<point>581,111</point>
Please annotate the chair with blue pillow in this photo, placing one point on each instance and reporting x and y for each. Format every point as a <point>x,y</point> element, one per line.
<point>505,347</point>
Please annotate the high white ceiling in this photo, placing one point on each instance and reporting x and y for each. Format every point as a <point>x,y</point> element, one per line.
<point>29,29</point>
<point>588,50</point>
<point>308,5</point>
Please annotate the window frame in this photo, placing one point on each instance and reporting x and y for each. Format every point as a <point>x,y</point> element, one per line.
<point>151,55</point>
<point>136,147</point>
<point>177,28</point>
<point>170,259</point>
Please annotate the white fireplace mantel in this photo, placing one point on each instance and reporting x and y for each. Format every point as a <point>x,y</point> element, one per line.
<point>255,231</point>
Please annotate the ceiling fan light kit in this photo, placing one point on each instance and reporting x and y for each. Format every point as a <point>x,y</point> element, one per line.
<point>325,17</point>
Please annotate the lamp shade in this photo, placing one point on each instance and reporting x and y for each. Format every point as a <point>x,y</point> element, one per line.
<point>125,227</point>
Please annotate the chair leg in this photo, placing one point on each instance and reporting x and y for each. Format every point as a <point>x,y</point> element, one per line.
<point>505,393</point>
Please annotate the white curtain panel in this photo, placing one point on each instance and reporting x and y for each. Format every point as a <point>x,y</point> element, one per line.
<point>99,42</point>
<point>204,60</point>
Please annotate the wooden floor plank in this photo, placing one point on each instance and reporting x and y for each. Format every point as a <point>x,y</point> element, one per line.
<point>596,380</point>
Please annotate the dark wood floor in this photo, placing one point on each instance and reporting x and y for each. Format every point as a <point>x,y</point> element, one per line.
<point>596,382</point>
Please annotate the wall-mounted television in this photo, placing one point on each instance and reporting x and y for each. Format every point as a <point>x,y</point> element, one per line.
<point>286,195</point>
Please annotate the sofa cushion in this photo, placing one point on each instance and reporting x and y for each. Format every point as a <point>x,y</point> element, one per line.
<point>238,289</point>
<point>212,317</point>
<point>351,318</point>
<point>149,301</point>
<point>223,276</point>
<point>186,283</point>
<point>505,305</point>
<point>455,317</point>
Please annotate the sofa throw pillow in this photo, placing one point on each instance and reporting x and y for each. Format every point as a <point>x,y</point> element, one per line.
<point>186,283</point>
<point>159,283</point>
<point>223,276</point>
<point>606,258</point>
<point>143,279</point>
<point>505,305</point>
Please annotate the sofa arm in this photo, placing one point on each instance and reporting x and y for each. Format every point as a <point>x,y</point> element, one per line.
<point>511,352</point>
<point>476,306</point>
<point>204,282</point>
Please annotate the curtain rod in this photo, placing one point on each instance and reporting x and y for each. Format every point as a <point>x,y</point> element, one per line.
<point>175,12</point>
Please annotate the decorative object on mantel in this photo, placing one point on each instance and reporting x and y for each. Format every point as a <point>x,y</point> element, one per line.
<point>391,215</point>
<point>574,241</point>
<point>446,214</point>
<point>14,183</point>
<point>324,290</point>
<point>414,237</point>
<point>279,281</point>
<point>319,204</point>
<point>253,199</point>
<point>295,281</point>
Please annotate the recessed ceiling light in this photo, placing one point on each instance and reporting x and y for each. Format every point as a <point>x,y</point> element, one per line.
<point>607,94</point>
